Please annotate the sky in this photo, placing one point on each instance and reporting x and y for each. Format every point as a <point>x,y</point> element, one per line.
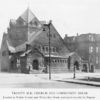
<point>68,16</point>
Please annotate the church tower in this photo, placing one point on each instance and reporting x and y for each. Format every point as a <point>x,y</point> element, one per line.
<point>20,30</point>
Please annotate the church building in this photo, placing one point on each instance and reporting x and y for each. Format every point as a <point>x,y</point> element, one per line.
<point>32,42</point>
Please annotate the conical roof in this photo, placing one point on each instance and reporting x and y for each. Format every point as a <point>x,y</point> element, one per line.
<point>28,16</point>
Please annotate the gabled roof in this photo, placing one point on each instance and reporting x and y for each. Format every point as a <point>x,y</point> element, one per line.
<point>28,16</point>
<point>13,49</point>
<point>10,47</point>
<point>22,47</point>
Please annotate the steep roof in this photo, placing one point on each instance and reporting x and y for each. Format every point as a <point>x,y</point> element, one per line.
<point>28,17</point>
<point>38,35</point>
<point>42,38</point>
<point>22,47</point>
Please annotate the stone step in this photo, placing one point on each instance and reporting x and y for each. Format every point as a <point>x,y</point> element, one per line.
<point>60,70</point>
<point>35,72</point>
<point>59,67</point>
<point>53,70</point>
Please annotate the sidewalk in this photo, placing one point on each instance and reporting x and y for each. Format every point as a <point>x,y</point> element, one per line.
<point>7,78</point>
<point>77,81</point>
<point>79,77</point>
<point>68,77</point>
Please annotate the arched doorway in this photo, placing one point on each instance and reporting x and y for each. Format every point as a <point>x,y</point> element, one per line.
<point>91,68</point>
<point>13,64</point>
<point>76,63</point>
<point>35,64</point>
<point>85,69</point>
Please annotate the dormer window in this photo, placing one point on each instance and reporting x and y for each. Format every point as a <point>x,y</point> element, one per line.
<point>31,23</point>
<point>35,23</point>
<point>20,21</point>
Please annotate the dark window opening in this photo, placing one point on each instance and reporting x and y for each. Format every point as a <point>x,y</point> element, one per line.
<point>43,48</point>
<point>85,69</point>
<point>47,49</point>
<point>4,53</point>
<point>35,64</point>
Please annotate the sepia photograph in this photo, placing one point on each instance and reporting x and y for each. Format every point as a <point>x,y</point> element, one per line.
<point>50,44</point>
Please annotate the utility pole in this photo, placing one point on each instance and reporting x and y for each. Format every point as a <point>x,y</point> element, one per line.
<point>49,43</point>
<point>49,51</point>
<point>76,48</point>
<point>74,76</point>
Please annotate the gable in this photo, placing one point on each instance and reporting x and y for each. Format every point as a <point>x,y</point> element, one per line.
<point>55,40</point>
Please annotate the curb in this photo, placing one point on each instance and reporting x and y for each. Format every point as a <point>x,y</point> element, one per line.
<point>81,82</point>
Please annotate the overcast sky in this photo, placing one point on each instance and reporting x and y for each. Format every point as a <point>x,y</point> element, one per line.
<point>68,16</point>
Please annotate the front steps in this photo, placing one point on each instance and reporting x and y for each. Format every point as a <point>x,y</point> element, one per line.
<point>36,72</point>
<point>60,70</point>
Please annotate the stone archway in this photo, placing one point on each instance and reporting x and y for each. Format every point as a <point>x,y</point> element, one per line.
<point>91,68</point>
<point>35,64</point>
<point>76,63</point>
<point>85,68</point>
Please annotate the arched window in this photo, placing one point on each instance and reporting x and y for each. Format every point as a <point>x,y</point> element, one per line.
<point>58,60</point>
<point>46,48</point>
<point>20,21</point>
<point>55,60</point>
<point>35,23</point>
<point>53,49</point>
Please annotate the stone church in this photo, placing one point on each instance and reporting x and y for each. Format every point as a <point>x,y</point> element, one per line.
<point>29,41</point>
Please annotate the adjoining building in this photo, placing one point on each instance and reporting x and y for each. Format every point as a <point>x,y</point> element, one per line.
<point>88,48</point>
<point>27,43</point>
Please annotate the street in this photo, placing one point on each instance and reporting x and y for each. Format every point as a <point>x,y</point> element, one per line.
<point>16,80</point>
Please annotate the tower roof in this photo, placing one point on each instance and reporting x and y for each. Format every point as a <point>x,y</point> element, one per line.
<point>28,16</point>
